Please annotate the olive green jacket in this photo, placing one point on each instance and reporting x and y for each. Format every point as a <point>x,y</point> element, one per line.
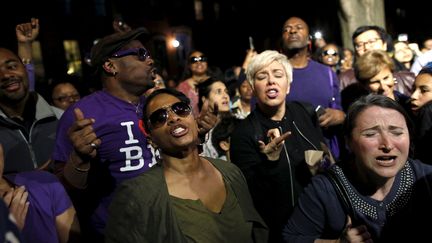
<point>141,210</point>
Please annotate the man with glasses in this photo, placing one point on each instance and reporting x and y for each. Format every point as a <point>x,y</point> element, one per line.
<point>99,142</point>
<point>372,37</point>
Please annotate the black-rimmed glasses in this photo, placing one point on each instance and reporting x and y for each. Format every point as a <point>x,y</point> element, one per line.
<point>361,45</point>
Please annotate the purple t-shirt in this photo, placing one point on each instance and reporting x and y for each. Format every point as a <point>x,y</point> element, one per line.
<point>48,199</point>
<point>316,84</point>
<point>123,150</point>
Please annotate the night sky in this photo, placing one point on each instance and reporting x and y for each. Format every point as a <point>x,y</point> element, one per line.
<point>223,36</point>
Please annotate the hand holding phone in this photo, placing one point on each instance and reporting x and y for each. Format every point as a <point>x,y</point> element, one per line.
<point>319,110</point>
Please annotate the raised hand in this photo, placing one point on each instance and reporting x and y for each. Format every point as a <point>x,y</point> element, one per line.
<point>208,118</point>
<point>27,32</point>
<point>276,141</point>
<point>82,135</point>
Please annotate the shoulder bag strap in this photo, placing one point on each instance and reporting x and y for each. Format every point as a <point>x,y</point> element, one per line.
<point>342,194</point>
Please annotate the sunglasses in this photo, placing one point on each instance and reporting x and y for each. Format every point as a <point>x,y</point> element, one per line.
<point>159,117</point>
<point>198,59</point>
<point>142,53</point>
<point>330,52</point>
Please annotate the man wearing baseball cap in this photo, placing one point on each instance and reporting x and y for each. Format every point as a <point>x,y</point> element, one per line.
<point>99,143</point>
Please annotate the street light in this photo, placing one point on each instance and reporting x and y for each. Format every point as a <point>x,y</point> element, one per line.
<point>175,43</point>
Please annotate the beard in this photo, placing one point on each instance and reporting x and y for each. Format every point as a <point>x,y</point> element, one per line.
<point>15,97</point>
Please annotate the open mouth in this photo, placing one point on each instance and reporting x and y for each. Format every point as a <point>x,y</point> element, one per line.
<point>386,160</point>
<point>272,93</point>
<point>178,130</point>
<point>11,86</point>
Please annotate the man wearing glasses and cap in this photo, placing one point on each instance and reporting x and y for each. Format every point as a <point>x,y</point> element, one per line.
<point>99,143</point>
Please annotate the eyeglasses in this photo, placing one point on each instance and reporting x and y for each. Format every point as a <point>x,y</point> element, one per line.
<point>159,117</point>
<point>198,59</point>
<point>64,98</point>
<point>330,52</point>
<point>361,45</point>
<point>142,53</point>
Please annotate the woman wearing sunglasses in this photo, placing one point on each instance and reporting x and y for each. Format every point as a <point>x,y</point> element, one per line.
<point>185,197</point>
<point>197,72</point>
<point>331,55</point>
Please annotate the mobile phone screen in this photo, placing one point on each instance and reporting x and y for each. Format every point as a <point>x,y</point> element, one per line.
<point>251,45</point>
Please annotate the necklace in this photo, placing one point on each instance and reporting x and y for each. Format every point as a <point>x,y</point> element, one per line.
<point>137,107</point>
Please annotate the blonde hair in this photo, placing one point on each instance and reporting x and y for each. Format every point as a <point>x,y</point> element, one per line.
<point>370,64</point>
<point>264,59</point>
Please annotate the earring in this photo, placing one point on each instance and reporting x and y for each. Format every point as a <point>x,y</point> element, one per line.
<point>114,73</point>
<point>395,80</point>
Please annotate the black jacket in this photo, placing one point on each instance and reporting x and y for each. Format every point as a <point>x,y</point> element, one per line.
<point>276,185</point>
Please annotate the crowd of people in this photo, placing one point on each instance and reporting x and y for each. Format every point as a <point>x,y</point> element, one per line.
<point>291,146</point>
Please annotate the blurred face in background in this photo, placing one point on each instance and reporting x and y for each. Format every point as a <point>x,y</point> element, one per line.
<point>219,95</point>
<point>422,91</point>
<point>64,95</point>
<point>198,63</point>
<point>402,52</point>
<point>245,91</point>
<point>369,40</point>
<point>427,45</point>
<point>330,55</point>
<point>383,83</point>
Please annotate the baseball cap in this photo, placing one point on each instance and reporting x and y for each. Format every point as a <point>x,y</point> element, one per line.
<point>106,46</point>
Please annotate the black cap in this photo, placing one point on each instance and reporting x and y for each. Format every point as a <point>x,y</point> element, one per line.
<point>108,45</point>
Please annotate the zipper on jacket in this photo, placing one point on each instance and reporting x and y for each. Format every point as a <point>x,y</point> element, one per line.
<point>290,170</point>
<point>303,136</point>
<point>29,145</point>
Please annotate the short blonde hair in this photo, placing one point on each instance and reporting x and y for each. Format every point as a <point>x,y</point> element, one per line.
<point>264,59</point>
<point>370,64</point>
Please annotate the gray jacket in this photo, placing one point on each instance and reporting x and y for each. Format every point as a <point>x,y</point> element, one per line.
<point>20,153</point>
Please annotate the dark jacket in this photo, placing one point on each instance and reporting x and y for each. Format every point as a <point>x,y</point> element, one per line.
<point>276,185</point>
<point>27,149</point>
<point>141,210</point>
<point>404,80</point>
<point>423,135</point>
